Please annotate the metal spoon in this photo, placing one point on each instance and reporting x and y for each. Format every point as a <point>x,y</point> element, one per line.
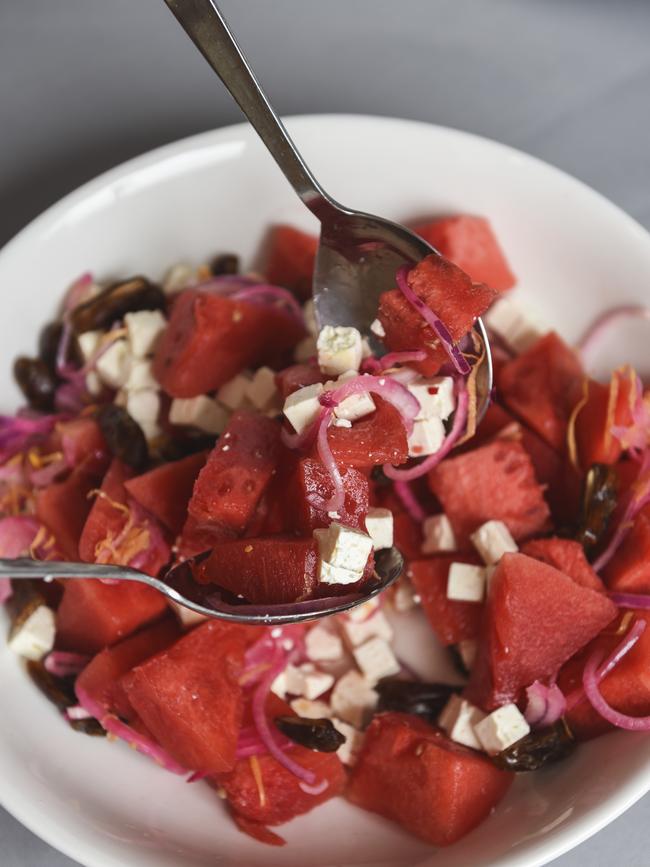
<point>179,585</point>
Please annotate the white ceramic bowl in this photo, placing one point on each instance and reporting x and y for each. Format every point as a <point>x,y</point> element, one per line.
<point>574,252</point>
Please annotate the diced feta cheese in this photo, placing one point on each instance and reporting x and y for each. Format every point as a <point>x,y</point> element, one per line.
<point>310,709</point>
<point>144,327</point>
<point>353,699</point>
<point>404,599</point>
<point>178,277</point>
<point>301,407</point>
<point>348,752</point>
<point>438,535</point>
<point>305,681</point>
<point>501,729</point>
<point>377,329</point>
<point>309,315</point>
<point>379,524</point>
<point>186,616</point>
<point>341,422</point>
<point>426,438</point>
<point>261,390</point>
<point>466,583</point>
<point>458,719</point>
<point>232,394</point>
<point>492,540</point>
<point>201,412</point>
<point>376,659</point>
<point>358,632</point>
<point>88,343</point>
<point>329,574</point>
<point>344,546</point>
<point>305,349</point>
<point>141,376</point>
<point>339,349</point>
<point>518,328</point>
<point>435,396</point>
<point>34,638</point>
<point>114,365</point>
<point>143,406</point>
<point>93,383</point>
<point>355,406</point>
<point>323,644</point>
<point>468,648</point>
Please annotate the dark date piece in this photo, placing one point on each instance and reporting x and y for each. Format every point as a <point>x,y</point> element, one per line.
<point>315,734</point>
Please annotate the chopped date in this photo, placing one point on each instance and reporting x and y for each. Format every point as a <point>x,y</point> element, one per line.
<point>315,734</point>
<point>537,749</point>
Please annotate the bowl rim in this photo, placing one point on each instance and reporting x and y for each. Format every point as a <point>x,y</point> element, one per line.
<point>564,838</point>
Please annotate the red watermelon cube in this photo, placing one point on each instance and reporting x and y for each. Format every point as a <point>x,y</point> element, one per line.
<point>629,569</point>
<point>536,618</point>
<point>64,507</point>
<point>446,290</point>
<point>606,406</point>
<point>494,482</point>
<point>415,775</point>
<point>309,489</point>
<point>290,260</point>
<point>567,556</point>
<point>379,438</point>
<point>297,376</point>
<point>452,621</point>
<point>83,445</point>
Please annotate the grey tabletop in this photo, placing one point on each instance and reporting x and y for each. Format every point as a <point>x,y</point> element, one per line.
<point>85,84</point>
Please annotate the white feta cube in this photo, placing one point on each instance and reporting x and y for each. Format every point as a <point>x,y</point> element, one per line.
<point>492,540</point>
<point>329,574</point>
<point>466,583</point>
<point>343,546</point>
<point>377,329</point>
<point>304,680</point>
<point>426,438</point>
<point>339,349</point>
<point>323,644</point>
<point>232,394</point>
<point>305,350</point>
<point>88,343</point>
<point>309,315</point>
<point>143,328</point>
<point>379,524</point>
<point>468,648</point>
<point>178,277</point>
<point>141,376</point>
<point>355,406</point>
<point>501,729</point>
<point>348,752</point>
<point>353,699</point>
<point>359,631</point>
<point>438,535</point>
<point>458,719</point>
<point>310,709</point>
<point>186,616</point>
<point>376,659</point>
<point>34,638</point>
<point>435,396</point>
<point>303,406</point>
<point>341,422</point>
<point>201,412</point>
<point>144,406</point>
<point>261,390</point>
<point>114,365</point>
<point>519,328</point>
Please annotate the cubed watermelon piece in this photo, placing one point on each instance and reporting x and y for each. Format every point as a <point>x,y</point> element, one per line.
<point>407,533</point>
<point>629,569</point>
<point>64,507</point>
<point>189,696</point>
<point>626,688</point>
<point>100,678</point>
<point>379,438</point>
<point>469,242</point>
<point>452,621</point>
<point>542,387</point>
<point>93,615</point>
<point>309,489</point>
<point>264,570</point>
<point>606,406</point>
<point>494,482</point>
<point>446,290</point>
<point>567,556</point>
<point>166,490</point>
<point>237,471</point>
<point>297,376</point>
<point>83,445</point>
<point>290,261</point>
<point>531,627</point>
<point>196,537</point>
<point>211,338</point>
<point>415,775</point>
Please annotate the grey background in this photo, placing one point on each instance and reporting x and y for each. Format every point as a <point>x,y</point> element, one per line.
<point>85,84</point>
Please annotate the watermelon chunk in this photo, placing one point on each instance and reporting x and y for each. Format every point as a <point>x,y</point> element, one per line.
<point>211,338</point>
<point>297,376</point>
<point>196,538</point>
<point>93,615</point>
<point>452,621</point>
<point>166,490</point>
<point>237,471</point>
<point>407,533</point>
<point>530,628</point>
<point>606,405</point>
<point>447,291</point>
<point>84,445</point>
<point>415,775</point>
<point>264,570</point>
<point>469,242</point>
<point>542,387</point>
<point>291,257</point>
<point>626,688</point>
<point>189,697</point>
<point>567,556</point>
<point>379,438</point>
<point>311,486</point>
<point>100,678</point>
<point>629,569</point>
<point>494,482</point>
<point>64,507</point>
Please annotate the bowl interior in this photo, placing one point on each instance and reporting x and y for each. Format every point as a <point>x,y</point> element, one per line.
<point>574,253</point>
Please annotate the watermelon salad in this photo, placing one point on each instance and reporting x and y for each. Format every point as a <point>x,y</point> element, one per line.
<point>207,417</point>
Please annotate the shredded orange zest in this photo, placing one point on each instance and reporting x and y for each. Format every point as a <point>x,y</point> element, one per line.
<point>253,672</point>
<point>203,273</point>
<point>614,387</point>
<point>18,500</point>
<point>97,492</point>
<point>132,540</point>
<point>257,776</point>
<point>626,622</point>
<point>37,460</point>
<point>43,539</point>
<point>572,446</point>
<point>472,406</point>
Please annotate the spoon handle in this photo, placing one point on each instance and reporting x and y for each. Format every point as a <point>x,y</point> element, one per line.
<point>206,27</point>
<point>24,567</point>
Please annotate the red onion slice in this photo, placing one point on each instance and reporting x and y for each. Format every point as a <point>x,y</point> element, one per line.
<point>62,663</point>
<point>604,322</point>
<point>590,682</point>
<point>393,358</point>
<point>410,501</point>
<point>546,704</point>
<point>641,601</point>
<point>640,497</point>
